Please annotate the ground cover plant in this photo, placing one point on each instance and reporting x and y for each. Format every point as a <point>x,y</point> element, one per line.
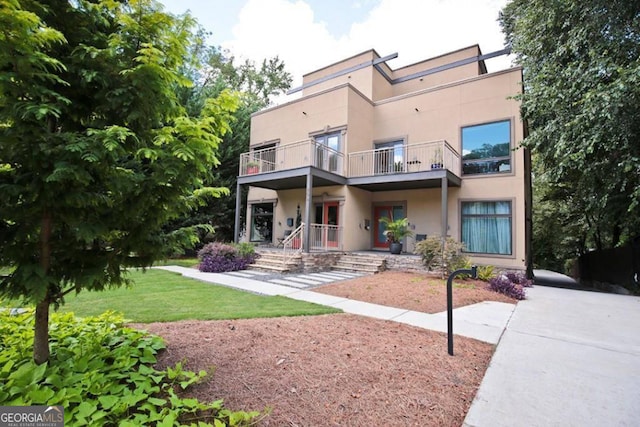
<point>511,284</point>
<point>163,296</point>
<point>219,257</point>
<point>102,373</point>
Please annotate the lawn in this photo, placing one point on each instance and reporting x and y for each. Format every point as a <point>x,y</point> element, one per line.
<point>162,296</point>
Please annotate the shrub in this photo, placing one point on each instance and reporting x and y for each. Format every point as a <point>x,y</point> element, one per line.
<point>503,284</point>
<point>486,272</point>
<point>102,374</point>
<point>220,257</point>
<point>520,279</point>
<point>435,257</point>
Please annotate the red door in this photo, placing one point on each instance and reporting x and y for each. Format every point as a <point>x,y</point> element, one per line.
<point>379,239</point>
<point>331,234</point>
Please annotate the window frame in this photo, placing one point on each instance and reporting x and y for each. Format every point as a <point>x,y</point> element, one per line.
<point>253,217</point>
<point>510,215</point>
<point>510,157</point>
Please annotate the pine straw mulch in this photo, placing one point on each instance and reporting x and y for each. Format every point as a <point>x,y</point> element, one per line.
<point>340,369</point>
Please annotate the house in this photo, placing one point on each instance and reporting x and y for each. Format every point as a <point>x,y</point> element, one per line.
<point>436,142</point>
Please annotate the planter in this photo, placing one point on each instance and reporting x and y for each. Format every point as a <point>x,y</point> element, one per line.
<point>252,170</point>
<point>395,248</point>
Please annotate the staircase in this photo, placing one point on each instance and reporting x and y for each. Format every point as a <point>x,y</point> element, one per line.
<point>274,261</point>
<point>357,263</point>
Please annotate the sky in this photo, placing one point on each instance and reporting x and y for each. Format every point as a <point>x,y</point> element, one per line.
<point>310,34</point>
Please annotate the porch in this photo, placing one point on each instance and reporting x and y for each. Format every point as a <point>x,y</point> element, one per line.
<point>309,165</point>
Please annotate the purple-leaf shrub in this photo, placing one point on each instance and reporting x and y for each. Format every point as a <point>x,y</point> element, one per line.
<point>504,285</point>
<point>220,257</point>
<point>520,279</point>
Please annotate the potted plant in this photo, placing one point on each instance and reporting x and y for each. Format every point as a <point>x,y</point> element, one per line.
<point>436,160</point>
<point>396,231</point>
<point>253,167</point>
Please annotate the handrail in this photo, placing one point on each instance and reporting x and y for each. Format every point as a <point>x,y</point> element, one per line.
<point>288,247</point>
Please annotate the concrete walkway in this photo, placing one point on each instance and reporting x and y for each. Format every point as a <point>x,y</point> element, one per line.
<point>484,321</point>
<point>566,358</point>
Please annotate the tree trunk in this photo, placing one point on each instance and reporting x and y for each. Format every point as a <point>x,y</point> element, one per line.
<point>41,332</point>
<point>41,327</point>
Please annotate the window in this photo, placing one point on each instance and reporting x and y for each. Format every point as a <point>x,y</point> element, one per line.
<point>389,157</point>
<point>261,222</point>
<point>328,152</point>
<point>486,227</point>
<point>486,148</point>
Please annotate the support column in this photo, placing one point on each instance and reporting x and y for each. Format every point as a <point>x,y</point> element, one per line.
<point>236,229</point>
<point>444,209</point>
<point>307,213</point>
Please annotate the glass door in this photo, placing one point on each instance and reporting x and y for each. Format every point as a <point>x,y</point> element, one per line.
<point>391,212</point>
<point>327,149</point>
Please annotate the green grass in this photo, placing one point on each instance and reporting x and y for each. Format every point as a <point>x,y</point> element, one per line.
<point>182,262</point>
<point>162,296</point>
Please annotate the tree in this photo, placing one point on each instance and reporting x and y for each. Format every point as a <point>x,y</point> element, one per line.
<point>96,151</point>
<point>580,100</point>
<point>215,71</point>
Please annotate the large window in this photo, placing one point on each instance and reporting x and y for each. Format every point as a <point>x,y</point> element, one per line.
<point>486,227</point>
<point>261,222</point>
<point>486,148</point>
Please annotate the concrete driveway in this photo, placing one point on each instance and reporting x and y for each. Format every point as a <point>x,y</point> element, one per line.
<point>566,358</point>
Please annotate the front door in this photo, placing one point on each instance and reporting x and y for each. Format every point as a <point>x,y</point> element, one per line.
<point>331,235</point>
<point>391,212</point>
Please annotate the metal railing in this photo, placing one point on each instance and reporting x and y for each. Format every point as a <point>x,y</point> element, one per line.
<point>324,237</point>
<point>423,156</point>
<point>307,152</point>
<point>292,244</point>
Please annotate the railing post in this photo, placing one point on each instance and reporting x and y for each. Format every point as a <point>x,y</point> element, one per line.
<point>474,273</point>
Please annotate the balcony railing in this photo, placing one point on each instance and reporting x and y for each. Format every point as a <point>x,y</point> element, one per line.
<point>325,237</point>
<point>424,156</point>
<point>419,157</point>
<point>290,156</point>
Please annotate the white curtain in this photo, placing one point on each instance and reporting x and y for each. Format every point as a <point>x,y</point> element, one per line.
<point>486,227</point>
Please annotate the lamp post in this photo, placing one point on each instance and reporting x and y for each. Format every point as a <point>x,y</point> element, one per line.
<point>474,273</point>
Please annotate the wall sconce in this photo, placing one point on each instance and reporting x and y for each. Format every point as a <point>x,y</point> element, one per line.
<point>367,224</point>
<point>417,111</point>
<point>304,112</point>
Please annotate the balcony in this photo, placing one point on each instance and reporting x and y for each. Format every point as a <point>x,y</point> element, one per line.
<point>291,156</point>
<point>419,165</point>
<point>420,157</point>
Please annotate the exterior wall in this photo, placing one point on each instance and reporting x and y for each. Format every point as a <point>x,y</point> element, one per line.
<point>360,79</point>
<point>288,123</point>
<point>437,79</point>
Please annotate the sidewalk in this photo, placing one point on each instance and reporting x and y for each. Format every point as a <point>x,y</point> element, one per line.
<point>483,321</point>
<point>566,358</point>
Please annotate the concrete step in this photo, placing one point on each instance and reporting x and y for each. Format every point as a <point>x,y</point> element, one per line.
<point>269,267</point>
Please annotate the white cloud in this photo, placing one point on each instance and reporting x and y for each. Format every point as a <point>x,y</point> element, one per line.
<point>415,29</point>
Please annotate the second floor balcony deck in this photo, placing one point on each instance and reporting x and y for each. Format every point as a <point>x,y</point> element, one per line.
<point>409,163</point>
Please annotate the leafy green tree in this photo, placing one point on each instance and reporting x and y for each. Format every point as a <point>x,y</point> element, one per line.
<point>96,151</point>
<point>257,86</point>
<point>581,98</point>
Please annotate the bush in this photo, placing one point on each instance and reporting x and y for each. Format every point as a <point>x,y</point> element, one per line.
<point>505,284</point>
<point>102,374</point>
<point>486,272</point>
<point>220,257</point>
<point>520,279</point>
<point>435,258</point>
